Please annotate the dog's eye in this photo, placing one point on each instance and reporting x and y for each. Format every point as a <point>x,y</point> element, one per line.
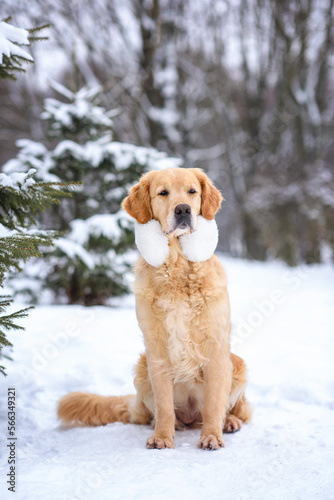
<point>163,193</point>
<point>191,191</point>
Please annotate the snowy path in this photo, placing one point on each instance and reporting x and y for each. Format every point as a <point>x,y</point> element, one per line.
<point>283,327</point>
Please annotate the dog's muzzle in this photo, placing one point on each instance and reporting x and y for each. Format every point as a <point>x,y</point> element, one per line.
<point>182,215</point>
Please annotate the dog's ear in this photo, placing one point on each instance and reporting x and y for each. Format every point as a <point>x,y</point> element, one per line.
<point>211,197</point>
<point>137,203</point>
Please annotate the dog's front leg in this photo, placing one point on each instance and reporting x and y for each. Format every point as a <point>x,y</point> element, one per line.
<point>217,385</point>
<point>162,385</point>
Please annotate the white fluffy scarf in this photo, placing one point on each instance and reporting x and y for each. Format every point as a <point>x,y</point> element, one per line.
<point>197,246</point>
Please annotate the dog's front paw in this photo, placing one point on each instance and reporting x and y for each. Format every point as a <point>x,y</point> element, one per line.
<point>211,442</point>
<point>159,442</point>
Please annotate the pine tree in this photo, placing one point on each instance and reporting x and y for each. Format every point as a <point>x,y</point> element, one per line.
<point>21,197</point>
<point>93,256</point>
<point>12,56</point>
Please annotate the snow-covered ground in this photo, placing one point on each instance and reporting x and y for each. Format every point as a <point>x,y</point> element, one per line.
<point>283,327</point>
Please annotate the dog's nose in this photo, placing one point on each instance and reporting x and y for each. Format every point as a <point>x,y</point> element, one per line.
<point>182,210</point>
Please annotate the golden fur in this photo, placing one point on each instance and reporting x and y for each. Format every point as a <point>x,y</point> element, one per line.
<point>187,376</point>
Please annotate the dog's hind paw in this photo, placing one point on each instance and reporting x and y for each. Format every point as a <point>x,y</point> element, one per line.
<point>232,423</point>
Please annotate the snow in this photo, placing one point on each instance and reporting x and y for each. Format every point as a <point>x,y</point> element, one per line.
<point>33,154</point>
<point>31,148</point>
<point>124,155</point>
<point>285,452</point>
<point>73,249</point>
<point>166,116</point>
<point>19,233</point>
<point>67,114</point>
<point>10,37</point>
<point>18,180</point>
<point>98,153</point>
<point>98,225</point>
<point>4,231</point>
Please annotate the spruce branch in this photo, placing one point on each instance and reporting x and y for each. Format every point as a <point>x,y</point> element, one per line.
<point>7,323</point>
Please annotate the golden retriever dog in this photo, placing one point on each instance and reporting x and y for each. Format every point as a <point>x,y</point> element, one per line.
<point>187,376</point>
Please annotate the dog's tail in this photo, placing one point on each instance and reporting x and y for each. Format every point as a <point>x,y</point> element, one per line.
<point>91,409</point>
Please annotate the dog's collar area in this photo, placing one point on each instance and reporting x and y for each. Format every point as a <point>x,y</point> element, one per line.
<point>197,246</point>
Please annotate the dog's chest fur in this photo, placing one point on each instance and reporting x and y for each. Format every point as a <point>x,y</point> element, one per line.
<point>178,296</point>
<point>183,340</point>
<point>180,303</point>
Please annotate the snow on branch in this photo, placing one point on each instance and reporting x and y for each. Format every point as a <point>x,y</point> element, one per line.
<point>32,155</point>
<point>76,243</point>
<point>81,107</point>
<point>11,39</point>
<point>107,225</point>
<point>122,154</point>
<point>17,180</point>
<point>74,250</point>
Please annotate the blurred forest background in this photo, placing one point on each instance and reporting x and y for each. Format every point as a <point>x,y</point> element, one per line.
<point>242,89</point>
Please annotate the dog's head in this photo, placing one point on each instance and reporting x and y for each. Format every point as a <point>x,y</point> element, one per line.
<point>174,197</point>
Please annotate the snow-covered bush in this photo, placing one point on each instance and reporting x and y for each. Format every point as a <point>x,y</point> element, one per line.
<point>93,256</point>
